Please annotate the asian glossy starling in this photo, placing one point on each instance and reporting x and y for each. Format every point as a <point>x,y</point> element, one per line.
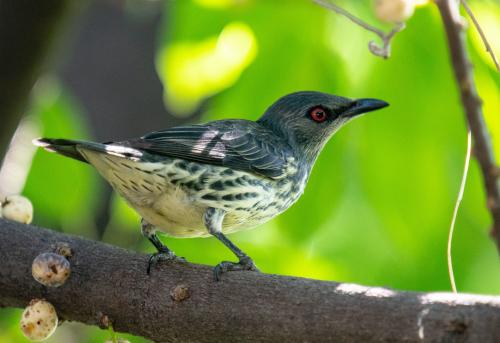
<point>220,177</point>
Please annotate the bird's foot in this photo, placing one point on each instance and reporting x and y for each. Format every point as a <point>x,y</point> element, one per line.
<point>163,254</point>
<point>245,263</point>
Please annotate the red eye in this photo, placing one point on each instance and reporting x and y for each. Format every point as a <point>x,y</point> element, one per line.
<point>318,114</point>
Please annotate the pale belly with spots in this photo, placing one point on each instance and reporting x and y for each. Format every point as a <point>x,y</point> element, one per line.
<point>174,194</point>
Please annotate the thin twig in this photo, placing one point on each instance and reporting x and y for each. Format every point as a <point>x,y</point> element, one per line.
<point>384,50</point>
<point>351,17</point>
<point>481,33</point>
<point>455,211</point>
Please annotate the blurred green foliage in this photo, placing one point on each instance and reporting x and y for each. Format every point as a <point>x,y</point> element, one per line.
<point>58,115</point>
<point>379,202</point>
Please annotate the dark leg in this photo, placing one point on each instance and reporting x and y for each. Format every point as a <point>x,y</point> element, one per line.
<point>163,253</point>
<point>245,262</point>
<point>213,221</point>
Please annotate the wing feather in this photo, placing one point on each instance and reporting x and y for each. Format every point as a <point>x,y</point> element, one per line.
<point>237,144</point>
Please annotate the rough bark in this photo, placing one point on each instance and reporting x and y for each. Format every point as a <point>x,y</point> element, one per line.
<point>27,28</point>
<point>472,104</point>
<point>244,306</point>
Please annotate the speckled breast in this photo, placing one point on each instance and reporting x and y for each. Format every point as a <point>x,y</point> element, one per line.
<point>173,194</point>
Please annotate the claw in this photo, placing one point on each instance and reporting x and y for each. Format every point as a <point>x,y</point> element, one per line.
<point>245,263</point>
<point>163,255</point>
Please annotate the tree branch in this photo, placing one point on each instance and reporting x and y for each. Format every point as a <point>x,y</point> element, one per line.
<point>244,306</point>
<point>472,104</point>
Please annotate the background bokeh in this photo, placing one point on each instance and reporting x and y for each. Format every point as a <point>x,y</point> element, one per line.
<point>379,202</point>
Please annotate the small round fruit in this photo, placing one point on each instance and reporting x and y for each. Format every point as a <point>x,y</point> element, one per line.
<point>50,269</point>
<point>17,208</point>
<point>39,320</point>
<point>394,11</point>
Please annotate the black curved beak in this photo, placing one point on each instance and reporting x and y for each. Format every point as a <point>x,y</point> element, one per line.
<point>361,106</point>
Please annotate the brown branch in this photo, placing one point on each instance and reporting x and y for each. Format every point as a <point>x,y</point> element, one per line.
<point>472,104</point>
<point>181,302</point>
<point>27,29</point>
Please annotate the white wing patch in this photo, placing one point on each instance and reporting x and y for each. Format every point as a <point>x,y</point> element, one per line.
<point>122,151</point>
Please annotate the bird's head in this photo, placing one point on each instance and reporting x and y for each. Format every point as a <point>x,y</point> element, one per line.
<point>307,120</point>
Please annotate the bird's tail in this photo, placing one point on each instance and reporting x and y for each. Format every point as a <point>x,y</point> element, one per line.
<point>68,147</point>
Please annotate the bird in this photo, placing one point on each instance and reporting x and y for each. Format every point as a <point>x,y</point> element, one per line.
<point>220,177</point>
